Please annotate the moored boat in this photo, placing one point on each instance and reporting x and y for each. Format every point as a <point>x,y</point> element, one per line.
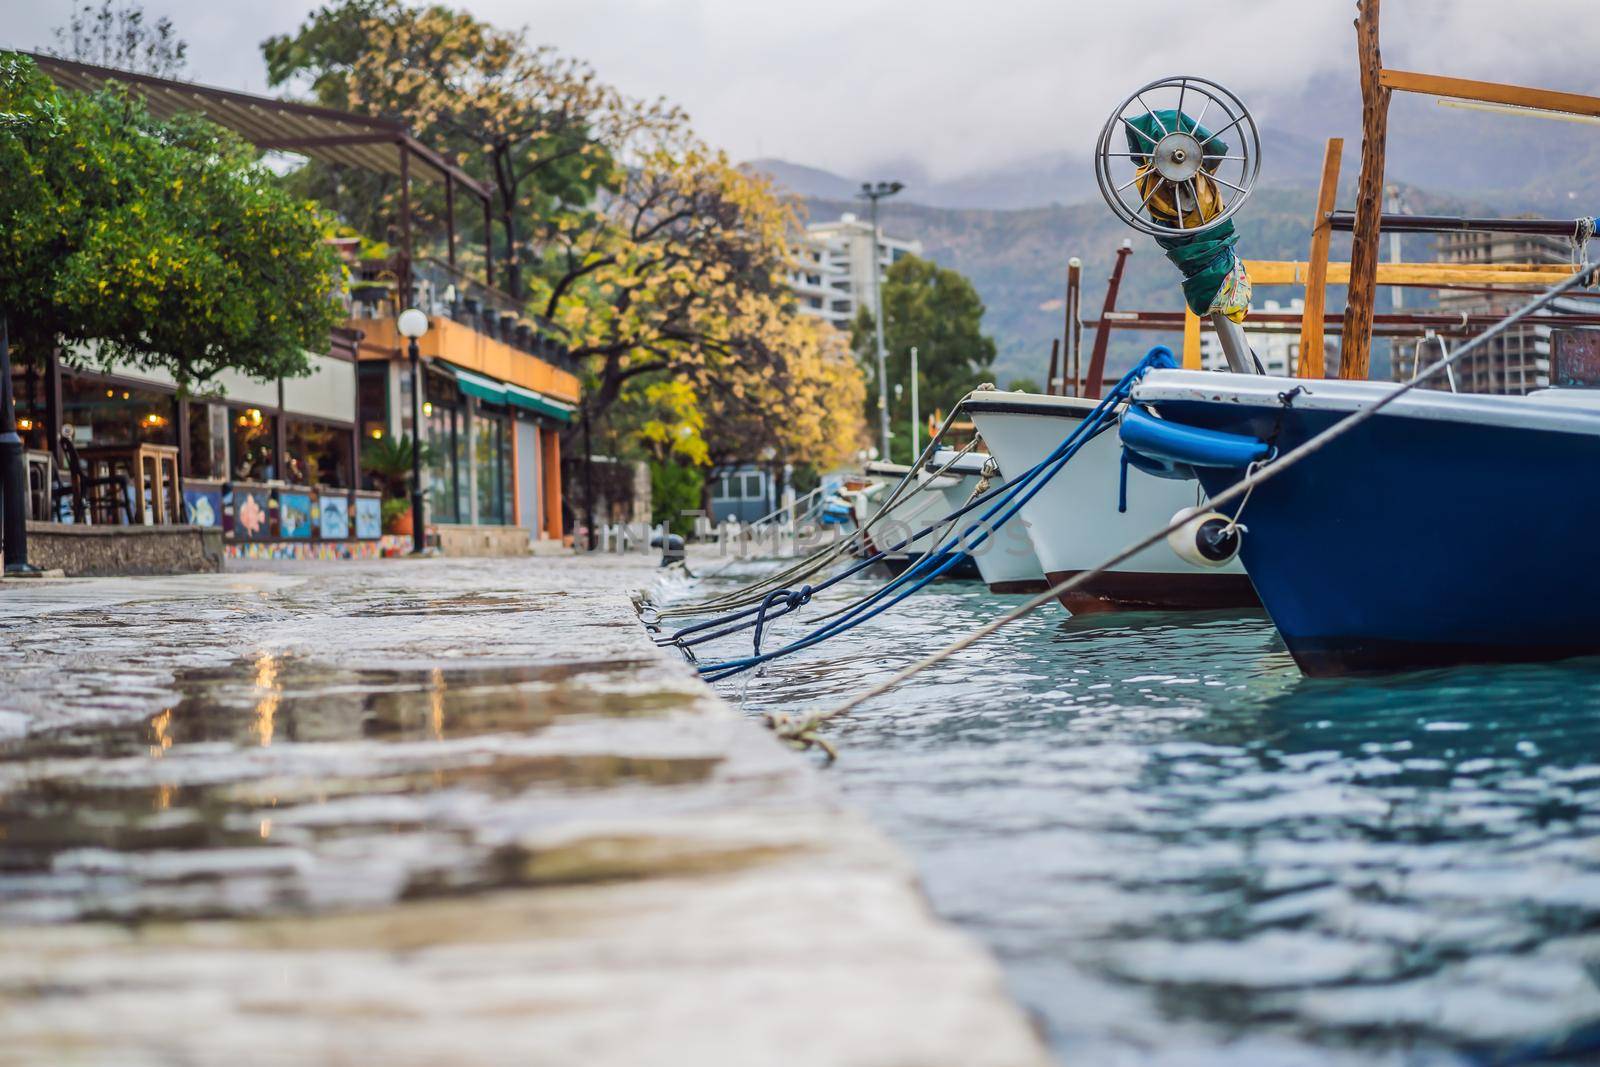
<point>920,510</point>
<point>1074,523</point>
<point>1445,529</point>
<point>1005,559</point>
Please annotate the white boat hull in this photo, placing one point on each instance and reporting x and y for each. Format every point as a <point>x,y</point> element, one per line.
<point>1073,522</point>
<point>920,510</point>
<point>1006,560</point>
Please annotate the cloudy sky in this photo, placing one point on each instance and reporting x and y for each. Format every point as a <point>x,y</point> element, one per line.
<point>954,86</point>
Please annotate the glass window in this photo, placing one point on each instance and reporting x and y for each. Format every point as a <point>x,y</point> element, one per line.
<point>318,454</point>
<point>208,441</point>
<point>101,412</point>
<point>252,444</point>
<point>492,448</point>
<point>445,433</point>
<point>463,465</point>
<point>372,397</point>
<point>508,467</point>
<point>752,487</point>
<point>27,390</point>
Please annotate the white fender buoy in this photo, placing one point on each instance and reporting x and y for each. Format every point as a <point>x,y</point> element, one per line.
<point>1206,538</point>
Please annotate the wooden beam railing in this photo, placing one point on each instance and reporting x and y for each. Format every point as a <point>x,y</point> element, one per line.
<point>1415,275</point>
<point>1407,81</point>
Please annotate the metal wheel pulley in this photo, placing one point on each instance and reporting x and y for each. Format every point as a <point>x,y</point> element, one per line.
<point>1178,157</point>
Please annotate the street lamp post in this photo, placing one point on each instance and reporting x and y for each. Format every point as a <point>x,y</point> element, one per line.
<point>413,324</point>
<point>13,473</point>
<point>916,410</point>
<point>872,193</point>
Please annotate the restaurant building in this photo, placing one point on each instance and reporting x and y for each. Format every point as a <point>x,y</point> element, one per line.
<point>276,465</point>
<point>496,394</point>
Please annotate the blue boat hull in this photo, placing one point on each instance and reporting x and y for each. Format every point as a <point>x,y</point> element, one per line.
<point>1414,542</point>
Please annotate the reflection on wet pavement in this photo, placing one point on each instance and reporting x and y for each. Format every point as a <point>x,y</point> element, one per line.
<point>436,812</point>
<point>272,750</point>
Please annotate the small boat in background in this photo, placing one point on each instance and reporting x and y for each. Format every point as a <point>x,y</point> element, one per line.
<point>921,509</point>
<point>1074,522</point>
<point>1006,561</point>
<point>1448,528</point>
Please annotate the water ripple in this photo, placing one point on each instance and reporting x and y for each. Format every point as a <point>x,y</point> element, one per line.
<point>1184,852</point>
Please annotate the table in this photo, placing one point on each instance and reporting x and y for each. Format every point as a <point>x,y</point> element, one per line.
<point>152,472</point>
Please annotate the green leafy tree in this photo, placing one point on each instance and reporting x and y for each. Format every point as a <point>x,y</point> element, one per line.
<point>675,488</point>
<point>937,310</point>
<point>161,243</point>
<point>1024,385</point>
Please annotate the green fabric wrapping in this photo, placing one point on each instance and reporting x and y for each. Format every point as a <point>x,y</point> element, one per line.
<point>1207,259</point>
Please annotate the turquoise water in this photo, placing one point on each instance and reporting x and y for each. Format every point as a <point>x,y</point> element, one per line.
<point>1183,852</point>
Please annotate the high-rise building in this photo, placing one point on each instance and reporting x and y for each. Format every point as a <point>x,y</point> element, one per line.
<point>1517,361</point>
<point>833,275</point>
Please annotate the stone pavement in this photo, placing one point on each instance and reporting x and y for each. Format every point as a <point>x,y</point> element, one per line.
<point>436,812</point>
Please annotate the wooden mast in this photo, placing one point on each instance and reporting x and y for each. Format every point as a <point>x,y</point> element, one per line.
<point>1355,352</point>
<point>1311,332</point>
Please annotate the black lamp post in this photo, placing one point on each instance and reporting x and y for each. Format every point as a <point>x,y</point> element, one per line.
<point>413,324</point>
<point>13,473</point>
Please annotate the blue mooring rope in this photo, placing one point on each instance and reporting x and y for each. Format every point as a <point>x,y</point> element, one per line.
<point>1005,501</point>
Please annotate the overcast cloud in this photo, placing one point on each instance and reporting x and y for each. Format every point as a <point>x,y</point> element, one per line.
<point>952,85</point>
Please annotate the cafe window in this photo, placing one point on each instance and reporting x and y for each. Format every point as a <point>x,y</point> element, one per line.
<point>318,454</point>
<point>208,441</point>
<point>493,462</point>
<point>372,398</point>
<point>252,444</point>
<point>446,435</point>
<point>103,412</point>
<point>27,389</point>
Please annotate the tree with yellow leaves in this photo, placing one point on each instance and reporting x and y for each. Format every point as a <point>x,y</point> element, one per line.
<point>659,264</point>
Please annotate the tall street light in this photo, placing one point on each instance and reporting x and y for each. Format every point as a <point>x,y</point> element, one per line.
<point>873,192</point>
<point>412,325</point>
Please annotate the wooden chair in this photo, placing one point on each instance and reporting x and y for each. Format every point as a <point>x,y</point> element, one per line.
<point>97,499</point>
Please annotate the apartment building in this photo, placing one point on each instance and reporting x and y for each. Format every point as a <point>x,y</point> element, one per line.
<point>833,276</point>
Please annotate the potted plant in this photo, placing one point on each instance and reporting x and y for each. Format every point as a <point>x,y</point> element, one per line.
<point>389,459</point>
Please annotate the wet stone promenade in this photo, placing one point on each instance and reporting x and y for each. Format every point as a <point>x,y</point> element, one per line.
<point>435,812</point>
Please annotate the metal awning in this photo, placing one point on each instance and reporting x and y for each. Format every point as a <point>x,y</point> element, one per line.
<point>322,133</point>
<point>538,403</point>
<point>496,392</point>
<point>477,385</point>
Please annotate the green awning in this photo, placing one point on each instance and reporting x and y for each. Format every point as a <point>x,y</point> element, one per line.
<point>535,402</point>
<point>479,386</point>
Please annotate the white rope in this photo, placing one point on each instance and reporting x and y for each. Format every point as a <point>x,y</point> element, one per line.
<point>1234,492</point>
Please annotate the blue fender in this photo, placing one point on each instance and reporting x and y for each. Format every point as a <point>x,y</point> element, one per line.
<point>1174,446</point>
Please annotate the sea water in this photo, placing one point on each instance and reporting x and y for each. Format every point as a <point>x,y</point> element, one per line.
<point>1183,852</point>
